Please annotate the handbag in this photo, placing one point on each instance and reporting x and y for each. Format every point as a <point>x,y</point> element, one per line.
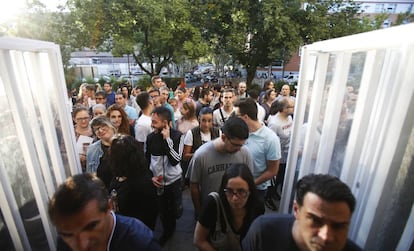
<point>220,240</point>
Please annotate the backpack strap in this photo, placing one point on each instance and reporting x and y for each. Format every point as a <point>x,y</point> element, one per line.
<point>222,116</point>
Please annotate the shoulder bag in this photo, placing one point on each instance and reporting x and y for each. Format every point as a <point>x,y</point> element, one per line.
<point>223,239</point>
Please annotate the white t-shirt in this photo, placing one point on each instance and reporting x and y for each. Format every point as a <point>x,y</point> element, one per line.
<point>188,140</point>
<point>261,113</point>
<point>218,119</point>
<point>143,128</point>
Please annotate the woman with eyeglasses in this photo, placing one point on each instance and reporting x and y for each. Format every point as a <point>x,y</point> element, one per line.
<point>81,118</point>
<point>83,132</point>
<point>97,156</point>
<point>237,205</point>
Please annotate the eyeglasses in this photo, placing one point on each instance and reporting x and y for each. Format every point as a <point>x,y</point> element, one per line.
<point>82,119</point>
<point>100,129</point>
<point>154,96</point>
<point>240,193</point>
<point>235,144</point>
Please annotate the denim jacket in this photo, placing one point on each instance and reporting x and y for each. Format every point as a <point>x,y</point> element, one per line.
<point>93,156</point>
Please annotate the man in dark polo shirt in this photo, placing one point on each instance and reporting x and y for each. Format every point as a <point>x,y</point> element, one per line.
<point>322,215</point>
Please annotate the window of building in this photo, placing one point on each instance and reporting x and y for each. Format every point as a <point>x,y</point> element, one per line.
<point>379,8</point>
<point>391,8</point>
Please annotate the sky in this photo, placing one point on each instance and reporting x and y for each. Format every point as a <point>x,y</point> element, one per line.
<point>10,9</point>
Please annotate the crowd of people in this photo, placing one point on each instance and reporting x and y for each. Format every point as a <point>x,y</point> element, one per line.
<point>139,149</point>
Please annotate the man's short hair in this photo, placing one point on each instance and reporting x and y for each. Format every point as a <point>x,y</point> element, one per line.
<point>327,187</point>
<point>154,78</point>
<point>75,193</point>
<point>154,90</point>
<point>205,110</point>
<point>226,90</point>
<point>248,107</point>
<point>278,105</point>
<point>100,93</point>
<point>143,100</point>
<point>120,93</point>
<point>138,87</point>
<point>217,87</point>
<point>163,112</point>
<point>235,127</point>
<point>254,94</point>
<point>164,88</point>
<point>204,92</point>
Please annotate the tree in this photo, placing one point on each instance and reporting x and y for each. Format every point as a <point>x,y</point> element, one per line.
<point>327,19</point>
<point>37,22</point>
<point>153,32</point>
<point>404,18</point>
<point>253,32</point>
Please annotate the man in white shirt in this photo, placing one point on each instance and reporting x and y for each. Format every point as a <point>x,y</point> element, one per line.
<point>242,94</point>
<point>143,125</point>
<point>221,114</point>
<point>261,112</point>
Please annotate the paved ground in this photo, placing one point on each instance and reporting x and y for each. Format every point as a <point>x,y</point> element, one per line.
<point>182,239</point>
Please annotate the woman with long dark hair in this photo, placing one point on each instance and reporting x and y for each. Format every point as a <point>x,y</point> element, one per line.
<point>119,118</point>
<point>132,186</point>
<point>237,205</point>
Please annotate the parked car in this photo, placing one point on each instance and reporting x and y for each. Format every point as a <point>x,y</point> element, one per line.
<point>292,77</point>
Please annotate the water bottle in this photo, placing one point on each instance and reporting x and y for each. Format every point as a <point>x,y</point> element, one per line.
<point>160,190</point>
<point>114,199</point>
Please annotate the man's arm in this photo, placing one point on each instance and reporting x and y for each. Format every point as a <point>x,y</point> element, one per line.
<point>273,156</point>
<point>201,238</point>
<point>188,146</point>
<point>272,167</point>
<point>196,197</point>
<point>174,149</point>
<point>187,152</point>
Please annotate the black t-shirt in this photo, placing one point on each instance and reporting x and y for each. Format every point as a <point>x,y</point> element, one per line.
<point>208,217</point>
<point>137,198</point>
<point>274,232</point>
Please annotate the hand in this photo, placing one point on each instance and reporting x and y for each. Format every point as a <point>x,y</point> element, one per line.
<point>82,158</point>
<point>166,132</point>
<point>156,182</point>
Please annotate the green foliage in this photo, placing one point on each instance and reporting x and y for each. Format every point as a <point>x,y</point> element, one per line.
<point>252,33</point>
<point>154,32</point>
<point>404,18</point>
<point>145,81</point>
<point>173,82</point>
<point>158,32</point>
<point>329,19</point>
